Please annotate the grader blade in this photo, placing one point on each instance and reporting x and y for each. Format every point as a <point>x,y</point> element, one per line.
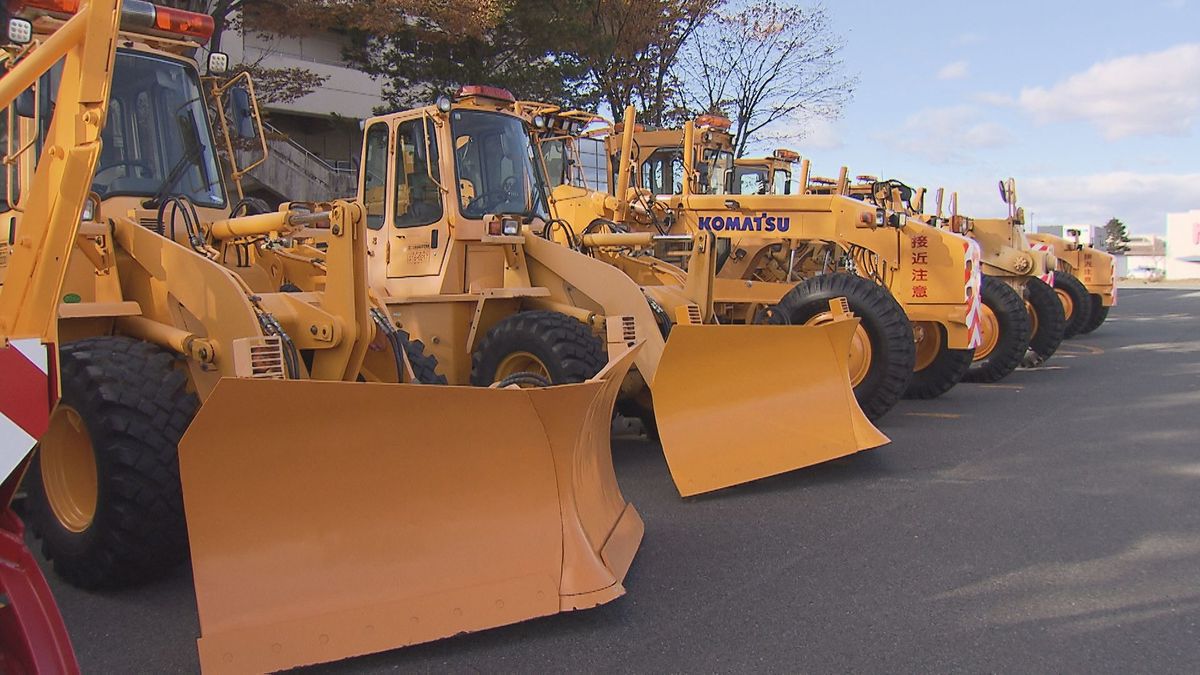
<point>384,515</point>
<point>738,403</point>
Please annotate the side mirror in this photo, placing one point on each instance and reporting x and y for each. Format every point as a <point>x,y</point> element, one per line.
<point>241,114</point>
<point>1003,192</point>
<point>25,104</point>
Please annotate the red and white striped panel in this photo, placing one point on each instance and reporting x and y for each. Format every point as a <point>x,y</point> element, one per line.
<point>1048,277</point>
<point>25,400</point>
<point>1113,278</point>
<point>974,287</point>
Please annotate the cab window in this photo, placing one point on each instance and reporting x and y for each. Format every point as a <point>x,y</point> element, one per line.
<point>783,183</point>
<point>374,173</point>
<point>662,172</point>
<point>418,194</point>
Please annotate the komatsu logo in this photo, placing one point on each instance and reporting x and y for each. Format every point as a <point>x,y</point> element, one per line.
<point>763,223</point>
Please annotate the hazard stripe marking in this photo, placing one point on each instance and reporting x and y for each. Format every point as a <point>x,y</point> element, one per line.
<point>25,394</point>
<point>15,444</point>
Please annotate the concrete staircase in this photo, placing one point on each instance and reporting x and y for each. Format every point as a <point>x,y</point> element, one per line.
<point>292,173</point>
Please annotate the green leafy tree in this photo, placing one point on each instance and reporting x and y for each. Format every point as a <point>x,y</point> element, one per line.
<point>1116,239</point>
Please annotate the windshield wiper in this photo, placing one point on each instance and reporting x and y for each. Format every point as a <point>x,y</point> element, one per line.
<point>190,132</point>
<point>181,167</point>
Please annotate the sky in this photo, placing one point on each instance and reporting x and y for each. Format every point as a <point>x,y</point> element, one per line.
<point>1094,107</point>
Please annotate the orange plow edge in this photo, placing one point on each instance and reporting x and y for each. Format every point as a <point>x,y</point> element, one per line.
<point>737,403</point>
<point>384,515</point>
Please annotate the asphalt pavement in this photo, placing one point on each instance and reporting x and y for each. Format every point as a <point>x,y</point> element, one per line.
<point>1046,523</point>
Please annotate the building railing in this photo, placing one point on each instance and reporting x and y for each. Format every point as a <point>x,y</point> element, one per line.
<point>294,172</point>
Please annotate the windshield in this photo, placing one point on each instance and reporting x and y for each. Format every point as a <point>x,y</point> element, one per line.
<point>495,167</point>
<point>720,172</point>
<point>750,181</point>
<point>157,138</point>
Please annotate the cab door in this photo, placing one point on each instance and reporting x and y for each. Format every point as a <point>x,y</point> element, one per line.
<point>403,195</point>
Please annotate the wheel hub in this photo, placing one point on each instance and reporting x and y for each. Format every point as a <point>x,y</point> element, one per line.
<point>68,464</point>
<point>928,340</point>
<point>859,361</point>
<point>989,332</point>
<point>522,362</point>
<point>1067,303</point>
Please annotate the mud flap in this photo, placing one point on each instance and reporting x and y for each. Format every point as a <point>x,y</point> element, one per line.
<point>739,403</point>
<point>333,519</point>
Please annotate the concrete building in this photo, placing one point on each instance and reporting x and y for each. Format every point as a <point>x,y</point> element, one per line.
<point>1183,245</point>
<point>315,140</point>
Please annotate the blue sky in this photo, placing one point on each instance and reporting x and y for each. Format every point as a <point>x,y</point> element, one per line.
<point>1093,107</point>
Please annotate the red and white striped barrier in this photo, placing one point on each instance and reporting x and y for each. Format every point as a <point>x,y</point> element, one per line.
<point>974,288</point>
<point>1048,277</point>
<point>26,397</point>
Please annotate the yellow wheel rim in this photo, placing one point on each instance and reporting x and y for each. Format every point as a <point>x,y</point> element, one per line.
<point>928,337</point>
<point>1033,320</point>
<point>522,362</point>
<point>1067,303</point>
<point>989,333</point>
<point>860,348</point>
<point>68,465</point>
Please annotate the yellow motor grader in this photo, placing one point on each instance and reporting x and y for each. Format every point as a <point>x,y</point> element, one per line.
<point>1008,257</point>
<point>231,387</point>
<point>944,351</point>
<point>1085,280</point>
<point>781,255</point>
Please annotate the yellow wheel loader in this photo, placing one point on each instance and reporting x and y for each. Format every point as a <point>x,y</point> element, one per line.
<point>1085,280</point>
<point>1009,259</point>
<point>782,256</point>
<point>233,389</point>
<point>461,255</point>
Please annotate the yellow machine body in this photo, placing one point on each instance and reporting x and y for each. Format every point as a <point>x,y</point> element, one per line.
<point>453,274</point>
<point>777,238</point>
<point>1096,269</point>
<point>392,513</point>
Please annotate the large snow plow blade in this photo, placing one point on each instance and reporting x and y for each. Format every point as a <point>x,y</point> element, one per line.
<point>738,403</point>
<point>383,515</point>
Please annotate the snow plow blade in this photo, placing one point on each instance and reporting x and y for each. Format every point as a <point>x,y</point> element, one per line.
<point>384,515</point>
<point>738,403</point>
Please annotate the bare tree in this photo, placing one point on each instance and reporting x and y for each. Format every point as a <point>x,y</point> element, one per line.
<point>763,62</point>
<point>631,48</point>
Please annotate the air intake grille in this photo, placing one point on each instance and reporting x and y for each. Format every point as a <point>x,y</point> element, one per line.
<point>266,359</point>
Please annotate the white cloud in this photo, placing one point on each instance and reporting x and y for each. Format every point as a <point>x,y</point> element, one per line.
<point>822,134</point>
<point>807,132</point>
<point>992,98</point>
<point>1140,95</point>
<point>953,71</point>
<point>947,134</point>
<point>1140,200</point>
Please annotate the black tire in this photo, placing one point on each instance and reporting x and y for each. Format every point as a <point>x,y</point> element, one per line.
<point>1051,327</point>
<point>135,406</point>
<point>1013,328</point>
<point>565,346</point>
<point>1080,299</point>
<point>424,365</point>
<point>1099,315</point>
<point>884,320</point>
<point>946,370</point>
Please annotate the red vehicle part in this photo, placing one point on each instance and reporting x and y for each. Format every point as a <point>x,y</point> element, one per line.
<point>33,638</point>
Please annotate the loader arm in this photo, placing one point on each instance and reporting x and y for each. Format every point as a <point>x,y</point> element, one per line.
<point>33,637</point>
<point>43,238</point>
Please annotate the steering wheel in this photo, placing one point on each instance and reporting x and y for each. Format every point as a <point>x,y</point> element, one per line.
<point>127,164</point>
<point>485,201</point>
